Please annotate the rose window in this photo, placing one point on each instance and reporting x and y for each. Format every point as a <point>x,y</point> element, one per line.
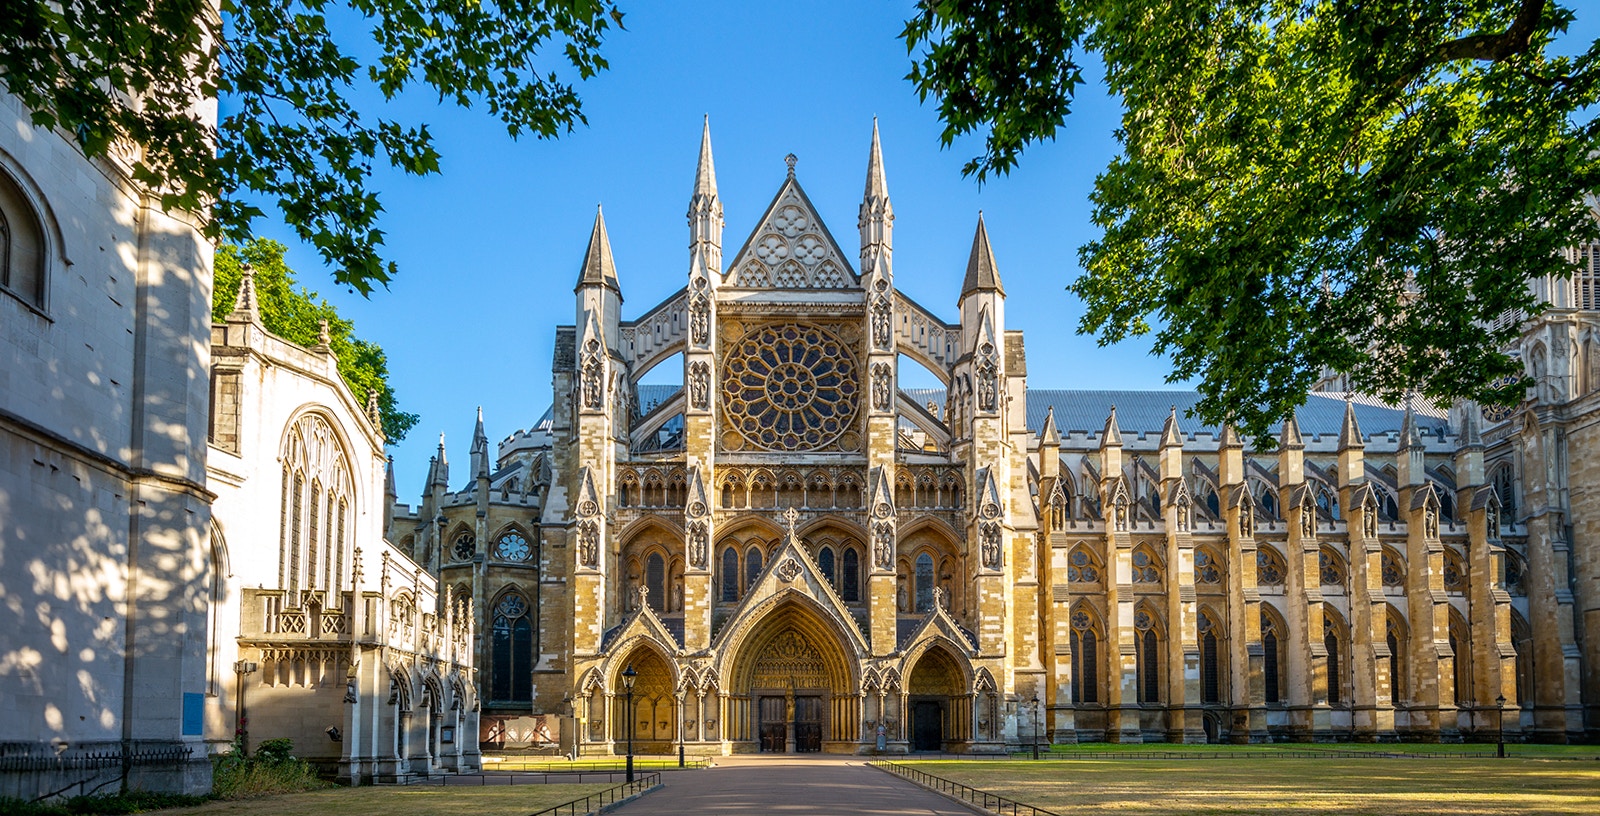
<point>790,387</point>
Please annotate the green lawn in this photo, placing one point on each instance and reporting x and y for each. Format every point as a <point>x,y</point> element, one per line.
<point>1535,751</point>
<point>512,800</point>
<point>1290,787</point>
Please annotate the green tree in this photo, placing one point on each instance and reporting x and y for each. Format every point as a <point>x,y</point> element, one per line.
<point>1356,185</point>
<point>296,315</point>
<point>128,72</point>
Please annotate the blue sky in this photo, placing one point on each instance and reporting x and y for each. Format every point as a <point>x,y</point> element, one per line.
<point>489,250</point>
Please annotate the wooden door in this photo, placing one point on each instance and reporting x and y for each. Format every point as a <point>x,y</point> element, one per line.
<point>773,724</point>
<point>808,724</point>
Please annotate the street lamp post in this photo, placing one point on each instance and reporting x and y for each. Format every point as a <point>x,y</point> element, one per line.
<point>1500,726</point>
<point>628,676</point>
<point>1036,727</point>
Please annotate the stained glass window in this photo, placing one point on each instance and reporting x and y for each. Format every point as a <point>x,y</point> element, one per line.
<point>1330,640</point>
<point>1330,568</point>
<point>924,582</point>
<point>1270,570</point>
<point>730,575</point>
<point>1210,677</point>
<point>752,567</point>
<point>790,387</point>
<point>1455,572</point>
<point>655,579</point>
<point>513,547</point>
<point>1205,568</point>
<point>466,545</point>
<point>1081,567</point>
<point>825,563</point>
<point>1145,569</point>
<point>511,651</point>
<point>850,585</point>
<point>1269,667</point>
<point>1086,663</point>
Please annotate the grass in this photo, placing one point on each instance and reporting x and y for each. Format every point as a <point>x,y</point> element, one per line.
<point>1518,750</point>
<point>1290,787</point>
<point>511,800</point>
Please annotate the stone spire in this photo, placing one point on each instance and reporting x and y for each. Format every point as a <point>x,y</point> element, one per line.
<point>1411,453</point>
<point>1048,435</point>
<point>705,209</point>
<point>1111,447</point>
<point>480,449</point>
<point>1350,433</point>
<point>876,220</point>
<point>599,268</point>
<point>1112,435</point>
<point>245,305</point>
<point>439,467</point>
<point>1352,444</point>
<point>1291,437</point>
<point>1171,436</point>
<point>982,274</point>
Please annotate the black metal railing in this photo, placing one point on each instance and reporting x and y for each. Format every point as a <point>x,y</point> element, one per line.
<point>600,799</point>
<point>992,802</point>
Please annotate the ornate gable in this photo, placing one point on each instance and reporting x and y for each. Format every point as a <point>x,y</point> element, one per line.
<point>791,248</point>
<point>790,571</point>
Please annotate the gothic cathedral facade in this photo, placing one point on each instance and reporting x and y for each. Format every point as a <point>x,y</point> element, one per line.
<point>794,553</point>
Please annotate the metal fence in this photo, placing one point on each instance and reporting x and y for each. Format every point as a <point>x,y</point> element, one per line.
<point>993,802</point>
<point>595,801</point>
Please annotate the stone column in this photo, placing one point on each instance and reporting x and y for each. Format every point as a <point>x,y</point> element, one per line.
<point>1247,673</point>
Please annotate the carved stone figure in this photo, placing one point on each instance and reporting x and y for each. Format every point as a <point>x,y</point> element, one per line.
<point>882,387</point>
<point>699,314</point>
<point>882,334</point>
<point>588,544</point>
<point>883,545</point>
<point>989,538</point>
<point>698,544</point>
<point>699,386</point>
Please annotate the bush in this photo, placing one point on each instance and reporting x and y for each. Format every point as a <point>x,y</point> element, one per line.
<point>274,769</point>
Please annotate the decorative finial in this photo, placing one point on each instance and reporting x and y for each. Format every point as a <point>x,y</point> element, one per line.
<point>373,412</point>
<point>790,160</point>
<point>323,335</point>
<point>791,515</point>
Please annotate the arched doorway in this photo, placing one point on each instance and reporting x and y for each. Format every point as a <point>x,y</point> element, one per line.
<point>934,692</point>
<point>793,686</point>
<point>655,706</point>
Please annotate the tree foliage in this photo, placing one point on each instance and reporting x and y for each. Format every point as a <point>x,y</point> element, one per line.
<point>122,73</point>
<point>296,315</point>
<point>1303,185</point>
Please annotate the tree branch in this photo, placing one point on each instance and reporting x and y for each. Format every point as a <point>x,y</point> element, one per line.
<point>1494,47</point>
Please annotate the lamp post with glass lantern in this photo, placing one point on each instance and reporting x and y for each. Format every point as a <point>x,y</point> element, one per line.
<point>628,676</point>
<point>1036,726</point>
<point>1500,726</point>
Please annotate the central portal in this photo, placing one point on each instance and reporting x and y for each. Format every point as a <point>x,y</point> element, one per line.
<point>776,723</point>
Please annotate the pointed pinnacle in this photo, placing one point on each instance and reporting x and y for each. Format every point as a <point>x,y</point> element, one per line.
<point>877,183</point>
<point>1048,435</point>
<point>1290,437</point>
<point>982,274</point>
<point>705,173</point>
<point>244,303</point>
<point>1350,437</point>
<point>1171,436</point>
<point>1230,438</point>
<point>599,268</point>
<point>1112,435</point>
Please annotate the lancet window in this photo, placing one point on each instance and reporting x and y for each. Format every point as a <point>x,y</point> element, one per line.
<point>1272,634</point>
<point>315,509</point>
<point>511,649</point>
<point>1210,659</point>
<point>1085,657</point>
<point>1149,656</point>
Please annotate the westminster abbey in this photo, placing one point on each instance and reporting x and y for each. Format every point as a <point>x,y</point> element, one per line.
<point>794,553</point>
<point>202,545</point>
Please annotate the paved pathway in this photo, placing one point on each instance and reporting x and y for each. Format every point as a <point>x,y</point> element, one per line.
<point>761,786</point>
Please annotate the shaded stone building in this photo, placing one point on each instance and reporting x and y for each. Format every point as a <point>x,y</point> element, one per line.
<point>795,553</point>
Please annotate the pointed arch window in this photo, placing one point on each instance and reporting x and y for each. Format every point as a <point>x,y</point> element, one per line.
<point>1210,673</point>
<point>1455,572</point>
<point>1393,568</point>
<point>1460,646</point>
<point>1146,566</point>
<point>1085,658</point>
<point>1330,640</point>
<point>22,245</point>
<point>730,575</point>
<point>924,579</point>
<point>851,579</point>
<point>1270,569</point>
<point>655,580</point>
<point>1206,567</point>
<point>1395,638</point>
<point>1149,657</point>
<point>825,563</point>
<point>316,496</point>
<point>1272,654</point>
<point>511,650</point>
<point>1330,568</point>
<point>1083,566</point>
<point>752,567</point>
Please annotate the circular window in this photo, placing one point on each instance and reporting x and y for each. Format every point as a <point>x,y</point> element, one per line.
<point>466,546</point>
<point>512,547</point>
<point>790,387</point>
